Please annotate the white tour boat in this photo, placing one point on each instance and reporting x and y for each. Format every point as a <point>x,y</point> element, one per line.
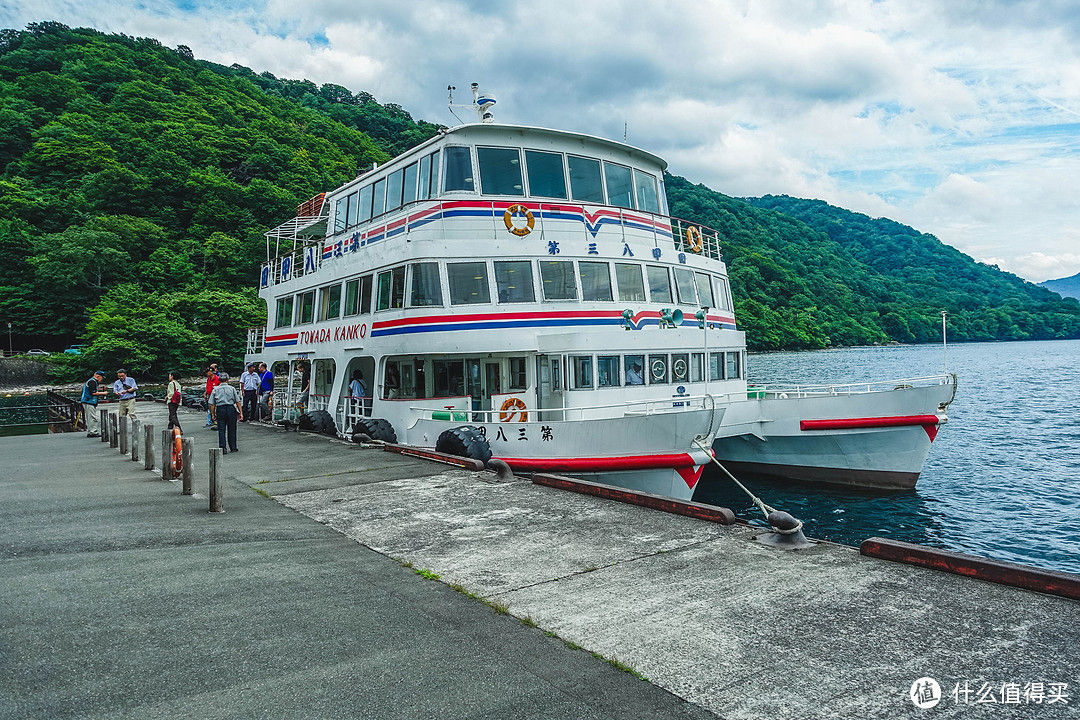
<point>522,293</point>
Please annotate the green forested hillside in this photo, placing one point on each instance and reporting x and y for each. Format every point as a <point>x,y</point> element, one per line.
<point>136,182</point>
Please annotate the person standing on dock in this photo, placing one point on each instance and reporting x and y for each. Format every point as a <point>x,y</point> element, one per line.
<point>211,382</point>
<point>174,393</point>
<point>249,384</point>
<point>89,399</point>
<point>266,388</point>
<point>226,409</point>
<point>125,388</point>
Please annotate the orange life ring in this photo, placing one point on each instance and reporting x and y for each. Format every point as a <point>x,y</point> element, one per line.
<point>508,220</point>
<point>693,238</point>
<point>512,407</point>
<point>177,450</point>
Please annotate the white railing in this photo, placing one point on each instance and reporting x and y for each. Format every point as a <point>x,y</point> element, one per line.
<point>798,391</point>
<point>350,410</point>
<point>256,337</point>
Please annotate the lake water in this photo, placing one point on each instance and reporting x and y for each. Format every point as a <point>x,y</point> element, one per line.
<point>1003,477</point>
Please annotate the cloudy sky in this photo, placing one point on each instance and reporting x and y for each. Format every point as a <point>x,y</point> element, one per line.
<point>958,117</point>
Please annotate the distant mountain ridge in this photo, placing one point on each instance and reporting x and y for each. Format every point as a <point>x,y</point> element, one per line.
<point>1065,287</point>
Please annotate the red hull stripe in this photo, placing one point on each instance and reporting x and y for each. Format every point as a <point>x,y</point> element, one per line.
<point>608,464</point>
<point>860,423</point>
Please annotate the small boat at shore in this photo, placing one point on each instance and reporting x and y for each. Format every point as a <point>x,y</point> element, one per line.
<point>522,293</point>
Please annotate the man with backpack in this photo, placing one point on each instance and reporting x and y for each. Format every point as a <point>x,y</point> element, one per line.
<point>89,399</point>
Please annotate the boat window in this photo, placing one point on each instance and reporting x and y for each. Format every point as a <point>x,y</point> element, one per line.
<point>468,283</point>
<point>723,296</point>
<point>340,215</point>
<point>658,369</point>
<point>423,183</point>
<point>607,371</point>
<point>305,310</point>
<point>365,294</point>
<point>646,192</point>
<point>684,284</point>
<point>426,289</point>
<point>449,377</point>
<point>697,367</point>
<point>330,302</point>
<point>433,184</point>
<point>284,312</point>
<point>634,367</point>
<point>628,278</point>
<point>716,366</point>
<point>500,171</point>
<point>364,208</point>
<point>352,297</point>
<point>391,288</point>
<point>518,379</point>
<point>585,182</point>
<point>546,176</point>
<point>731,371</point>
<point>556,375</point>
<point>583,371</point>
<point>558,281</point>
<point>595,281</point>
<point>378,199</point>
<point>620,190</point>
<point>351,205</point>
<point>680,367</point>
<point>514,279</point>
<point>704,290</point>
<point>458,173</point>
<point>408,191</point>
<point>659,284</point>
<point>394,184</point>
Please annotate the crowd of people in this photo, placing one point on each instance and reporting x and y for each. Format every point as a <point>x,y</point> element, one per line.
<point>226,404</point>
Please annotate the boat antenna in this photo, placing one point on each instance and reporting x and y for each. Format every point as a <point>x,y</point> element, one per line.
<point>482,104</point>
<point>944,343</point>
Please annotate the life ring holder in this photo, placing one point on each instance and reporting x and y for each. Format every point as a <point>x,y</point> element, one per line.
<point>177,452</point>
<point>693,239</point>
<point>508,220</point>
<point>511,407</point>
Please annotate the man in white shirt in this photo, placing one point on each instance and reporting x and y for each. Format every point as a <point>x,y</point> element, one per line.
<point>126,388</point>
<point>249,383</point>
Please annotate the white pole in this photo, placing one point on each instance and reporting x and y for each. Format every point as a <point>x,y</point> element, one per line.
<point>944,343</point>
<point>706,367</point>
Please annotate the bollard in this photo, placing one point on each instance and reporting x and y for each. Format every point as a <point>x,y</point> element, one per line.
<point>148,447</point>
<point>215,480</point>
<point>124,422</point>
<point>136,429</point>
<point>166,456</point>
<point>187,449</point>
<point>104,424</point>
<point>113,430</point>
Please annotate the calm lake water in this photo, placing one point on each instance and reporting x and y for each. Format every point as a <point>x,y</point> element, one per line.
<point>1003,477</point>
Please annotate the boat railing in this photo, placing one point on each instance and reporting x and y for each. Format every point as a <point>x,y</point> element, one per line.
<point>350,410</point>
<point>570,414</point>
<point>256,338</point>
<point>757,391</point>
<point>309,252</point>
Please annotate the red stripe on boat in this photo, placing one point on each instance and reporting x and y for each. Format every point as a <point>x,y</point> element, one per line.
<point>878,422</point>
<point>603,464</point>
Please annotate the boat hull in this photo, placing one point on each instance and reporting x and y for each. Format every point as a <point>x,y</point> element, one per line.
<point>878,440</point>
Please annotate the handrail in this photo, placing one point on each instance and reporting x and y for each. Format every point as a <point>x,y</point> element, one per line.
<point>852,388</point>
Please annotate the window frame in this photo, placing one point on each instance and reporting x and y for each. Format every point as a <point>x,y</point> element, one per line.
<point>452,282</point>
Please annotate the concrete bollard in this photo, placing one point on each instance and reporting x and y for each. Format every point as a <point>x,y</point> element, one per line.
<point>114,431</point>
<point>187,449</point>
<point>148,447</point>
<point>104,424</point>
<point>166,455</point>
<point>215,480</point>
<point>136,430</point>
<point>124,422</point>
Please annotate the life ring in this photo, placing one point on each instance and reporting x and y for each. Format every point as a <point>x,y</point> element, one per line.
<point>177,452</point>
<point>693,238</point>
<point>508,220</point>
<point>510,408</point>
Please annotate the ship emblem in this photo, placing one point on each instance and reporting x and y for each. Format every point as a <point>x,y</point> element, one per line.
<point>512,218</point>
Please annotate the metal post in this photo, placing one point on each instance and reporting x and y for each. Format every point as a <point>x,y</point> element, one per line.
<point>166,456</point>
<point>187,449</point>
<point>136,428</point>
<point>104,414</point>
<point>148,447</point>
<point>215,480</point>
<point>124,421</point>
<point>944,343</point>
<point>114,431</point>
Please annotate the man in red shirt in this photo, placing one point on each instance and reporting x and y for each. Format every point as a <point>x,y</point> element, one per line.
<point>212,382</point>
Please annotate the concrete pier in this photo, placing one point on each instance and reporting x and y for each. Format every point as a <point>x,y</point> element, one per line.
<point>321,612</point>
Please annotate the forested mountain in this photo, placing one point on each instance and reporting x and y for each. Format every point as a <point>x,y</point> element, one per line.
<point>136,182</point>
<point>1066,287</point>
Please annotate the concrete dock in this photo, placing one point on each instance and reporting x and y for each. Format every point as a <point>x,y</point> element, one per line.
<point>123,598</point>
